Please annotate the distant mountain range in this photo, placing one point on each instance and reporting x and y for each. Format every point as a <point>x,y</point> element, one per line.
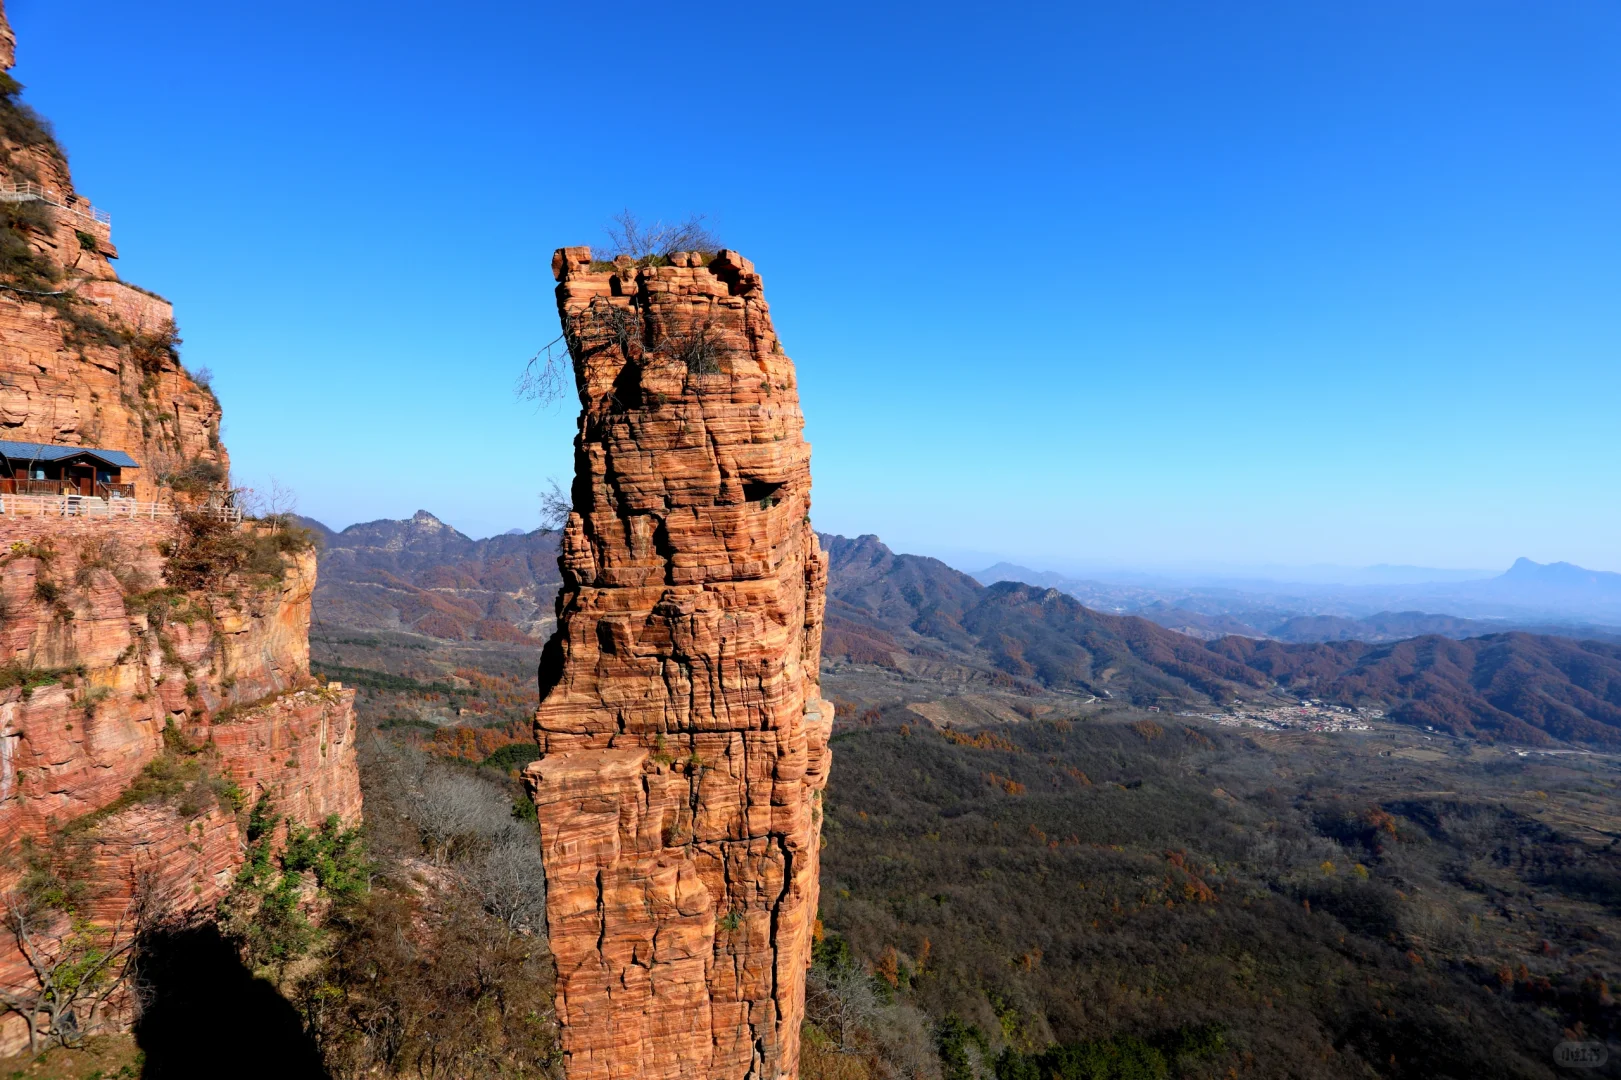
<point>917,615</point>
<point>1555,598</point>
<point>911,613</point>
<point>1264,577</point>
<point>421,575</point>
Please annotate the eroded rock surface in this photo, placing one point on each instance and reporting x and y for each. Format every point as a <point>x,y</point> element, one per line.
<point>146,700</point>
<point>106,667</point>
<point>683,734</point>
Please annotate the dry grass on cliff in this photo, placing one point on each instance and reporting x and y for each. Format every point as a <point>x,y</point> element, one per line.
<point>21,126</point>
<point>113,1057</point>
<point>108,553</point>
<point>31,679</point>
<point>25,227</point>
<point>184,776</point>
<point>28,274</point>
<point>157,350</point>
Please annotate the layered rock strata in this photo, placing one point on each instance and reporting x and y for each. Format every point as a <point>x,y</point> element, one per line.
<point>683,735</point>
<point>108,670</point>
<point>89,360</point>
<point>154,672</point>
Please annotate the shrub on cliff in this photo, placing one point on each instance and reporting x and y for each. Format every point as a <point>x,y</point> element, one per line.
<point>196,477</point>
<point>24,268</point>
<point>210,551</point>
<point>184,776</point>
<point>109,554</point>
<point>31,679</point>
<point>264,911</point>
<point>652,244</point>
<point>334,854</point>
<point>19,123</point>
<point>187,783</point>
<point>20,264</point>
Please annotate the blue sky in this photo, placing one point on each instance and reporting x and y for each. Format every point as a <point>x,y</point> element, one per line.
<point>1163,284</point>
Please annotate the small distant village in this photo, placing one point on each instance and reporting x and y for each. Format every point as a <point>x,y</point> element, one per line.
<point>1308,715</point>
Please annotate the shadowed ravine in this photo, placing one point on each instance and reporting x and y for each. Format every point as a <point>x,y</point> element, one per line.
<point>207,1015</point>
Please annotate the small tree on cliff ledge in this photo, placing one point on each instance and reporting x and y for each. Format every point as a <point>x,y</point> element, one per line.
<point>646,243</point>
<point>555,507</point>
<point>546,377</point>
<point>75,966</point>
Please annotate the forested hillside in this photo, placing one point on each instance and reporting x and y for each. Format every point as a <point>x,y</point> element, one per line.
<point>1136,898</point>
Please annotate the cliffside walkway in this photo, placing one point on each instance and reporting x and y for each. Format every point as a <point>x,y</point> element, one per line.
<point>13,191</point>
<point>81,506</point>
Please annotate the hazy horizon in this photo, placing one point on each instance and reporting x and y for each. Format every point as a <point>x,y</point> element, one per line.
<point>971,561</point>
<point>1268,286</point>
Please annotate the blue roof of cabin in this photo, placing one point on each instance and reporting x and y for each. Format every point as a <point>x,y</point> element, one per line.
<point>28,451</point>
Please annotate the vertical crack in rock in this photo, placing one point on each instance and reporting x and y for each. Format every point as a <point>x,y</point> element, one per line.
<point>681,724</point>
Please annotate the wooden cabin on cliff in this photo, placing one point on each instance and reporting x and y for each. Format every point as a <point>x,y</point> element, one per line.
<point>43,469</point>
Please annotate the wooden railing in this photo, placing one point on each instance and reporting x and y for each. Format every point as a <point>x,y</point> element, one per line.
<point>21,485</point>
<point>86,506</point>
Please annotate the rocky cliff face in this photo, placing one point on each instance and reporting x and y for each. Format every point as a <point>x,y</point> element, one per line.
<point>154,672</point>
<point>141,717</point>
<point>683,734</point>
<point>90,360</point>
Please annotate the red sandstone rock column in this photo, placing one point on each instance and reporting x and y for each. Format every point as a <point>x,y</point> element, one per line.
<point>683,733</point>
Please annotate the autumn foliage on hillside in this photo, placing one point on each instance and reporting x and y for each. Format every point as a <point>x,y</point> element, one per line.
<point>981,740</point>
<point>477,744</point>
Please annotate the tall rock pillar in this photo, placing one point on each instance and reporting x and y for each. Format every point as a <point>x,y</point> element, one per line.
<point>682,730</point>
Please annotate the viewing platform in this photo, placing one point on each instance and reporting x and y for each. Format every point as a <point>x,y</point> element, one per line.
<point>18,191</point>
<point>90,506</point>
<point>97,488</point>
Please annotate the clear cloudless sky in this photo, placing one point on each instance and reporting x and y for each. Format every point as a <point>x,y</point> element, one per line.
<point>1151,284</point>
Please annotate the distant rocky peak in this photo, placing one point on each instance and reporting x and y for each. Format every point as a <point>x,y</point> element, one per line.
<point>843,550</point>
<point>1561,573</point>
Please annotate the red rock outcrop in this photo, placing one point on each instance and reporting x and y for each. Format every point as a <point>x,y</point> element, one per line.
<point>683,735</point>
<point>91,366</point>
<point>136,650</point>
<point>106,666</point>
